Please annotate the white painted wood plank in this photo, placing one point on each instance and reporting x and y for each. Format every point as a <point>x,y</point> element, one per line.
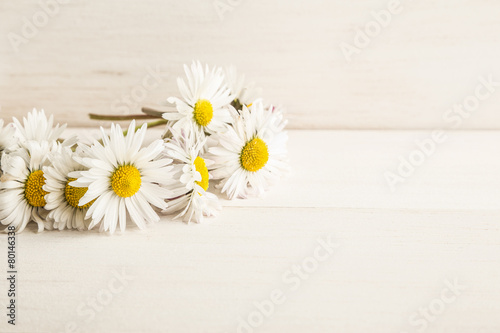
<point>203,278</point>
<point>346,169</point>
<point>394,256</point>
<point>91,55</point>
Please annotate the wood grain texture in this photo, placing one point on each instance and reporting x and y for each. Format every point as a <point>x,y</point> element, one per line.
<point>396,250</point>
<point>91,55</point>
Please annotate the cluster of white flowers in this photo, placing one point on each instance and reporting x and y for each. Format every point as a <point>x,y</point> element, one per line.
<point>219,136</point>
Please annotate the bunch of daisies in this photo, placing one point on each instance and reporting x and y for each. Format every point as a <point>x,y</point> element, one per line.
<point>219,137</point>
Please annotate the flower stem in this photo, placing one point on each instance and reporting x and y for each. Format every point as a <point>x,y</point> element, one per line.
<point>157,123</point>
<point>150,124</point>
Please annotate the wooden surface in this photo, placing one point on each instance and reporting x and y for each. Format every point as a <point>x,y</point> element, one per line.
<point>397,251</point>
<point>91,56</point>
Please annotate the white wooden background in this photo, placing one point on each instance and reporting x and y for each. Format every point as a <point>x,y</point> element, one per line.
<point>396,251</point>
<point>92,53</point>
<point>397,248</point>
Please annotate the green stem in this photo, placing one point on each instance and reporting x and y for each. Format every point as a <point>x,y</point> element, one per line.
<point>150,124</point>
<point>157,123</point>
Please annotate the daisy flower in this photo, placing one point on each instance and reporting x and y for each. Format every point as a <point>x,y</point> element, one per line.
<point>37,127</point>
<point>243,93</point>
<point>62,198</point>
<point>123,178</point>
<point>191,191</point>
<point>204,102</point>
<point>251,154</point>
<point>8,139</point>
<point>22,197</point>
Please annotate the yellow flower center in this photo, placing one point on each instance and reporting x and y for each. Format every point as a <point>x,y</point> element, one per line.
<point>199,163</point>
<point>254,155</point>
<point>126,181</point>
<point>74,194</point>
<point>203,112</point>
<point>33,191</point>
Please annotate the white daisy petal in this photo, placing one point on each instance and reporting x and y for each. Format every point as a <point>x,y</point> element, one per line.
<point>123,177</point>
<point>63,198</point>
<point>22,197</point>
<point>248,157</point>
<point>192,201</point>
<point>205,98</point>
